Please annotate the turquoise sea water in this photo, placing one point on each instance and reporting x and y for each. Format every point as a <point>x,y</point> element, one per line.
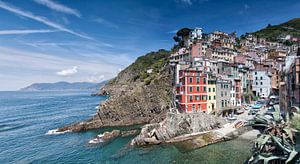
<point>25,118</point>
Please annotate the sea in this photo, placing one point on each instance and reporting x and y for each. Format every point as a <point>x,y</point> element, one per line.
<point>27,117</point>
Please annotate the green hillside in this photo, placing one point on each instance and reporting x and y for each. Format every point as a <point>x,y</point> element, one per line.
<point>272,32</point>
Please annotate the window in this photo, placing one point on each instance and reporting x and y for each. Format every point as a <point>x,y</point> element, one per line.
<point>214,89</point>
<point>197,97</point>
<point>222,103</point>
<point>199,107</point>
<point>191,89</point>
<point>191,98</point>
<point>209,97</point>
<point>198,80</point>
<point>255,73</point>
<point>256,78</point>
<point>204,80</point>
<point>261,83</point>
<point>261,78</point>
<point>214,97</point>
<point>204,89</point>
<point>225,93</point>
<point>256,83</point>
<point>191,79</point>
<point>204,97</point>
<point>198,88</point>
<point>221,93</point>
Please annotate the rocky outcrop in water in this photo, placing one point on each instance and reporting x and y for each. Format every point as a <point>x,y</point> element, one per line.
<point>140,94</point>
<point>175,125</point>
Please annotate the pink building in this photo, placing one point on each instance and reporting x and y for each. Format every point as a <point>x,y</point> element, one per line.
<point>196,50</point>
<point>241,59</point>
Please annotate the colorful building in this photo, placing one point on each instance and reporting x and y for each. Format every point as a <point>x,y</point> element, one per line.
<point>223,96</point>
<point>261,85</point>
<point>192,90</point>
<point>196,49</point>
<point>211,94</point>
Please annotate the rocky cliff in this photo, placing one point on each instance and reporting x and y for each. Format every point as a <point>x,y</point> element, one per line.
<point>140,94</point>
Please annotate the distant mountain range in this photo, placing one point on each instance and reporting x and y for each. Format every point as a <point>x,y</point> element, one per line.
<point>62,85</point>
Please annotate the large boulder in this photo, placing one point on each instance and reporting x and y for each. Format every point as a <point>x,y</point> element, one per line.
<point>175,125</point>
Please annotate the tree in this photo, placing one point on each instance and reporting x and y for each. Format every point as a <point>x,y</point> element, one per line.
<point>181,35</point>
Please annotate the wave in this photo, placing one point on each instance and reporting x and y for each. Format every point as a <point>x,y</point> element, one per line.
<point>9,127</point>
<point>55,132</point>
<point>97,139</point>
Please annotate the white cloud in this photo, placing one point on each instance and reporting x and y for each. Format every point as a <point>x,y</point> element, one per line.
<point>189,2</point>
<point>13,32</point>
<point>19,67</point>
<point>244,11</point>
<point>68,72</point>
<point>246,6</point>
<point>58,7</point>
<point>96,78</point>
<point>40,19</point>
<point>106,23</point>
<point>172,32</point>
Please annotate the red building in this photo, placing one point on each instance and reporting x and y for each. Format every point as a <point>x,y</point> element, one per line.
<point>192,90</point>
<point>238,94</point>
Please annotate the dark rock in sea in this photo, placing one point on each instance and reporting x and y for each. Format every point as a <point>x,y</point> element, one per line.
<point>107,136</point>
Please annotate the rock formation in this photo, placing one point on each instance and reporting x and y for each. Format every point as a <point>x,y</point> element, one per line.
<point>140,94</point>
<point>175,125</point>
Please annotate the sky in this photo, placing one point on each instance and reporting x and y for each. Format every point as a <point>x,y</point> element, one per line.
<point>78,40</point>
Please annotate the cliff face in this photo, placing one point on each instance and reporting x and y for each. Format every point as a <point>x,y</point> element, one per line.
<point>139,94</point>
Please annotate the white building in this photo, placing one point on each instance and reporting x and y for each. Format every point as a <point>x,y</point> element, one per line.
<point>196,34</point>
<point>261,85</point>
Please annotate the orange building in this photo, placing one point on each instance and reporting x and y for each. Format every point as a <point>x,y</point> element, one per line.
<point>192,90</point>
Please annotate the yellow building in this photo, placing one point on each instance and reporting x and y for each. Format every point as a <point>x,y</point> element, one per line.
<point>211,95</point>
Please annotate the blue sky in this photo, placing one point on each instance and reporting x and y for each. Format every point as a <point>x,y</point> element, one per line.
<point>77,40</point>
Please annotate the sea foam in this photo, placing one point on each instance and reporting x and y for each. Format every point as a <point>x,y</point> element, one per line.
<point>55,132</point>
<point>97,139</point>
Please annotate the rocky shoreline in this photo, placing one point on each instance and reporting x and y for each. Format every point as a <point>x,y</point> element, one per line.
<point>190,131</point>
<point>177,124</point>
